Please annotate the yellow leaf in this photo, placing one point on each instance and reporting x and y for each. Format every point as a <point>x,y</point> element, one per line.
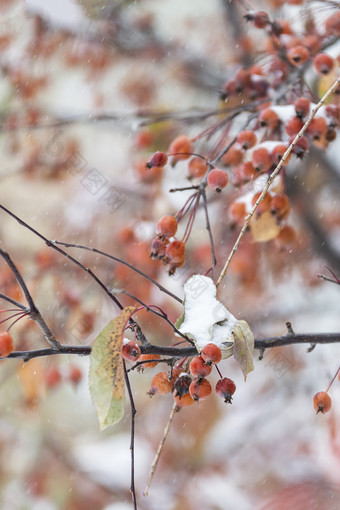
<point>326,81</point>
<point>106,375</point>
<point>264,227</point>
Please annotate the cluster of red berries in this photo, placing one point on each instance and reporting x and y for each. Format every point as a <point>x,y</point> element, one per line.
<point>257,151</point>
<point>290,51</point>
<point>189,386</point>
<point>164,247</point>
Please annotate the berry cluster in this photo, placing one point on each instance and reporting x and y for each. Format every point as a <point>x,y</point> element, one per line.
<point>278,116</point>
<point>164,247</point>
<point>188,386</point>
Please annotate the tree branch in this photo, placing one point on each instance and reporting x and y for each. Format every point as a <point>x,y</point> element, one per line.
<point>175,352</point>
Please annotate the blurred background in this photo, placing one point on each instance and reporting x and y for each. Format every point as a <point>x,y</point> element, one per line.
<point>88,91</point>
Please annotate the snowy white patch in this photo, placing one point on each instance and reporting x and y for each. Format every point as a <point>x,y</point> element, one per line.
<point>285,112</point>
<point>205,318</point>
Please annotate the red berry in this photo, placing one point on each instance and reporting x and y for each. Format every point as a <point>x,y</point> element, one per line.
<point>233,157</point>
<point>278,152</point>
<point>265,203</point>
<point>199,389</point>
<point>237,212</point>
<point>323,63</point>
<point>199,368</point>
<point>175,252</point>
<point>160,384</point>
<point>302,107</point>
<point>317,128</point>
<point>262,160</point>
<point>181,385</point>
<point>269,118</point>
<point>312,43</point>
<point>225,388</point>
<point>280,206</point>
<point>301,147</point>
<point>217,180</point>
<point>247,139</point>
<point>197,167</point>
<point>243,79</point>
<point>184,401</point>
<point>6,344</point>
<point>211,353</point>
<point>293,126</point>
<point>333,113</point>
<point>181,144</point>
<point>158,247</point>
<point>159,159</point>
<point>260,19</point>
<point>298,55</point>
<point>322,402</point>
<point>330,135</point>
<point>167,226</point>
<point>332,25</point>
<point>147,357</point>
<point>130,351</point>
<point>247,171</point>
<point>75,375</point>
<point>52,377</point>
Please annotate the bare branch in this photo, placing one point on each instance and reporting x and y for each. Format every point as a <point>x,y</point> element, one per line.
<point>33,310</point>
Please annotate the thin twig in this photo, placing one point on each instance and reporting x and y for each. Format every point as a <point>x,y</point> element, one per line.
<point>332,381</point>
<point>208,227</point>
<point>160,313</point>
<point>274,174</point>
<point>132,440</point>
<point>49,243</point>
<point>13,302</point>
<point>33,311</point>
<point>160,447</point>
<point>227,148</point>
<point>117,259</point>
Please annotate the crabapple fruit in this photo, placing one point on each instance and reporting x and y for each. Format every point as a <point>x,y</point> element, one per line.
<point>225,388</point>
<point>6,344</point>
<point>322,402</point>
<point>199,368</point>
<point>200,389</point>
<point>167,226</point>
<point>130,351</point>
<point>217,180</point>
<point>211,354</point>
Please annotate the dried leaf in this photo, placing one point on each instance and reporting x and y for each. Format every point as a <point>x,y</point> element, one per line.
<point>106,375</point>
<point>243,347</point>
<point>264,227</point>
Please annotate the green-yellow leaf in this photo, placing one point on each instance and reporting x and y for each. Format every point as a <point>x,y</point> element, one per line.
<point>106,375</point>
<point>243,347</point>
